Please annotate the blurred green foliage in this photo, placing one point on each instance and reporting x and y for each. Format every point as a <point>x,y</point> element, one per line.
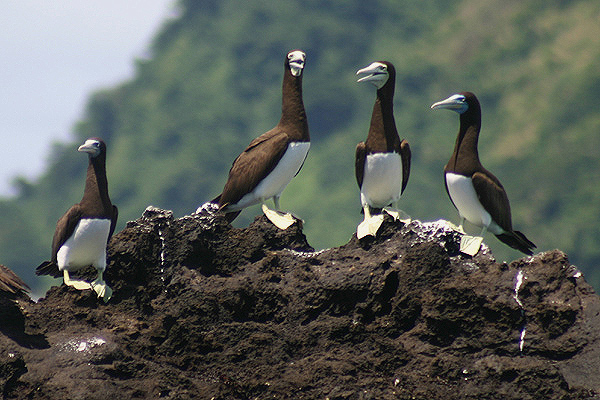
<point>213,82</point>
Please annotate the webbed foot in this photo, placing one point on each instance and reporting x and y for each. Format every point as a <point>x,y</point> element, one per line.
<point>398,215</point>
<point>369,226</point>
<point>77,284</point>
<point>470,244</point>
<point>279,219</point>
<point>102,289</point>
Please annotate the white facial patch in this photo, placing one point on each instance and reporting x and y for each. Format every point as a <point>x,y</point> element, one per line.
<point>274,183</point>
<point>87,245</point>
<point>382,179</point>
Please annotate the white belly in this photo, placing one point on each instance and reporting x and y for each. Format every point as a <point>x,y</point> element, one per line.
<point>87,245</point>
<point>465,199</point>
<point>382,179</point>
<point>274,183</point>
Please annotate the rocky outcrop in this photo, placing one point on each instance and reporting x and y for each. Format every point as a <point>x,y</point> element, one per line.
<point>202,310</point>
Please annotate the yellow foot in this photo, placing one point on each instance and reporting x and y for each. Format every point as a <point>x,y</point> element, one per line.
<point>102,290</point>
<point>398,215</point>
<point>470,244</point>
<point>458,228</point>
<point>279,219</point>
<point>369,226</point>
<point>77,284</point>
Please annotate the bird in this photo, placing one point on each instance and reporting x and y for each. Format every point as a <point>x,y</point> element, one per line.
<point>475,192</point>
<point>10,282</point>
<point>82,233</point>
<point>382,162</point>
<point>268,164</point>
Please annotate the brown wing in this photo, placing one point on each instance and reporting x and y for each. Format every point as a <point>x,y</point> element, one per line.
<point>493,198</point>
<point>10,282</point>
<point>447,191</point>
<point>359,162</point>
<point>404,150</point>
<point>264,137</point>
<point>64,228</point>
<point>113,221</point>
<point>256,162</point>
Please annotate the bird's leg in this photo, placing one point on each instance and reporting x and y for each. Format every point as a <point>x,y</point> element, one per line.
<point>460,226</point>
<point>471,244</point>
<point>77,284</point>
<point>483,231</point>
<point>370,224</point>
<point>397,213</point>
<point>279,219</point>
<point>101,288</point>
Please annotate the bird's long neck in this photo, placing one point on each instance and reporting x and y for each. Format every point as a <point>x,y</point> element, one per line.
<point>293,115</point>
<point>96,186</point>
<point>383,135</point>
<point>465,158</point>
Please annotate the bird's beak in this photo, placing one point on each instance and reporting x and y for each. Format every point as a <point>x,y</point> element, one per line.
<point>371,73</point>
<point>297,62</point>
<point>455,102</point>
<point>89,147</point>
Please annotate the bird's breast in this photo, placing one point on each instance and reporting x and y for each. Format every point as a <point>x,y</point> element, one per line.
<point>382,179</point>
<point>274,183</point>
<point>289,165</point>
<point>87,244</point>
<point>463,195</point>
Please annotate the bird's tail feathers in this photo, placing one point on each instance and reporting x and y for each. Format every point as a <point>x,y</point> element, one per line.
<point>517,240</point>
<point>229,216</point>
<point>11,282</point>
<point>48,268</point>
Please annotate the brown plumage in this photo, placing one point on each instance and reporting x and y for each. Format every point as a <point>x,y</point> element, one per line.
<point>95,203</point>
<point>465,161</point>
<point>262,155</point>
<point>383,135</point>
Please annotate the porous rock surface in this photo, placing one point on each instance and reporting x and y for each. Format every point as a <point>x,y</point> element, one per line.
<point>202,310</point>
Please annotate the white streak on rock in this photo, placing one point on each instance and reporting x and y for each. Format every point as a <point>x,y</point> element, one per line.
<point>518,283</point>
<point>522,339</point>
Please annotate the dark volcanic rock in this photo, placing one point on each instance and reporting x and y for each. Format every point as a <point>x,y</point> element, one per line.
<point>202,310</point>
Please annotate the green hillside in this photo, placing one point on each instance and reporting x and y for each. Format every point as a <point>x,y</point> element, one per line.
<point>213,82</point>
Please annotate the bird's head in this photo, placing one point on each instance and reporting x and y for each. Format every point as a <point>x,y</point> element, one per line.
<point>457,102</point>
<point>295,61</point>
<point>378,73</point>
<point>94,147</point>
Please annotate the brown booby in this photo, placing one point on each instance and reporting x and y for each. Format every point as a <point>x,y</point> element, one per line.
<point>382,162</point>
<point>10,282</point>
<point>268,164</point>
<point>478,195</point>
<point>82,233</point>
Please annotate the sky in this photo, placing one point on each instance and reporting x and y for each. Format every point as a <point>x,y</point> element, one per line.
<point>53,55</point>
